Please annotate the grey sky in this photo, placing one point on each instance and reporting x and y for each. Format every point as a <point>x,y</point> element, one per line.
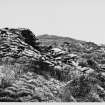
<point>80,19</point>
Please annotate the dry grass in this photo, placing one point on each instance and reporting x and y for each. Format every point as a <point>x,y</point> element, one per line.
<point>8,74</point>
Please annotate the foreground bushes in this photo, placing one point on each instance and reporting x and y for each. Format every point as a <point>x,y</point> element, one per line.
<point>8,74</point>
<point>86,88</point>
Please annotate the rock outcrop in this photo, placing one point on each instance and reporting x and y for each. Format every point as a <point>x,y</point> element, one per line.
<point>23,70</point>
<point>31,74</point>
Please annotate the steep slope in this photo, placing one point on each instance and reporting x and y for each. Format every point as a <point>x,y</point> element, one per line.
<point>23,72</point>
<point>73,73</point>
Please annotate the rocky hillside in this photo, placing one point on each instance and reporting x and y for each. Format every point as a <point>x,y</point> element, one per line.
<point>68,43</point>
<point>66,71</point>
<point>55,40</point>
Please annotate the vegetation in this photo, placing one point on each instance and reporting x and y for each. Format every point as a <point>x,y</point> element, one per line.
<point>30,71</point>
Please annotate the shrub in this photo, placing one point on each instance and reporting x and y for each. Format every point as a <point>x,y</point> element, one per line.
<point>8,74</point>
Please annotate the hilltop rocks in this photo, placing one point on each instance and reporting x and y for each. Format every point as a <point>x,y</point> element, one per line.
<point>15,45</point>
<point>51,74</point>
<point>15,42</point>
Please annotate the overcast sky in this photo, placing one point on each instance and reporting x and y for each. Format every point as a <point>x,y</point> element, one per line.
<point>80,19</point>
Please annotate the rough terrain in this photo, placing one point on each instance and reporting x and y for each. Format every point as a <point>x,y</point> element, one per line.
<point>38,71</point>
